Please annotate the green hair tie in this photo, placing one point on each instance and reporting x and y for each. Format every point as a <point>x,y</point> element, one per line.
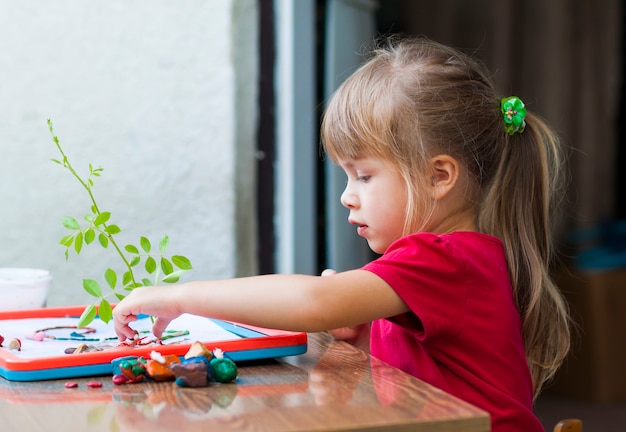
<point>513,112</point>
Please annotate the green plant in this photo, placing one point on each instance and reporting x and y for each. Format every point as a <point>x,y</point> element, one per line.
<point>98,226</point>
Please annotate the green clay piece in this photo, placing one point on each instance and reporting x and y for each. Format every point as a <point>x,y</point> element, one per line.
<point>224,369</point>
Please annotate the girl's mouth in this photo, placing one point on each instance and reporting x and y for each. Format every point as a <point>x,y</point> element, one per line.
<point>361,230</point>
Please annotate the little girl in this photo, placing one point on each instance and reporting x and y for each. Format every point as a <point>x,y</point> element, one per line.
<point>454,186</point>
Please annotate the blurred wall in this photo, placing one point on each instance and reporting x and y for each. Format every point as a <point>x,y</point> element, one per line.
<point>162,95</point>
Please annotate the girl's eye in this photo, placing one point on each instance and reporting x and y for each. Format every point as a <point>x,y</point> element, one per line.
<point>363,178</point>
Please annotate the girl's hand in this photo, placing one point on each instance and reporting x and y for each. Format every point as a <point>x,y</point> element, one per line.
<point>349,334</point>
<point>328,272</point>
<point>158,301</point>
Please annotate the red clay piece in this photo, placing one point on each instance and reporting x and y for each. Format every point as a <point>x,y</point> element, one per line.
<point>119,379</point>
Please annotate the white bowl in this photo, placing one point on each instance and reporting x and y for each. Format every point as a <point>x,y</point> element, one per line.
<point>24,288</point>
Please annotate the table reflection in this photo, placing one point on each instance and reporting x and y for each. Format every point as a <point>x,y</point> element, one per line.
<point>334,386</point>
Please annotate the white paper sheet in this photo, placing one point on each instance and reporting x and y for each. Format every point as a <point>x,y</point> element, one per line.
<point>200,329</point>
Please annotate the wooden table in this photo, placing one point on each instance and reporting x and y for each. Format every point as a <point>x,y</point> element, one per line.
<point>333,387</point>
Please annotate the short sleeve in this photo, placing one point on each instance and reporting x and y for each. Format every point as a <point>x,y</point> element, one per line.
<point>429,275</point>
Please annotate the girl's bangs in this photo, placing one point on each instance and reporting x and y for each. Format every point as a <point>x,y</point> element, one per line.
<point>351,130</point>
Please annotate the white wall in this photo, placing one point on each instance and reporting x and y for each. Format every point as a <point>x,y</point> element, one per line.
<point>160,94</point>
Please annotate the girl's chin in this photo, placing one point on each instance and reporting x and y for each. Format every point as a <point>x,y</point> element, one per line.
<point>376,247</point>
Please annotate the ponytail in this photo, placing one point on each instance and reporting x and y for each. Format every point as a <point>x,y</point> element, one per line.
<point>517,209</point>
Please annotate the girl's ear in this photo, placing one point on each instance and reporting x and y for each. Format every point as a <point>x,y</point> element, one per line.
<point>445,175</point>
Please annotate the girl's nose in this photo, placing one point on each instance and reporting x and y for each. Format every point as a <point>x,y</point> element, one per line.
<point>349,199</point>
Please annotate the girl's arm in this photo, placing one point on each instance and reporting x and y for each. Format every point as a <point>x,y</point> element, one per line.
<point>287,302</point>
<point>357,334</point>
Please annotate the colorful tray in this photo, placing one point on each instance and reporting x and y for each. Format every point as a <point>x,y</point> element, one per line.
<point>42,360</point>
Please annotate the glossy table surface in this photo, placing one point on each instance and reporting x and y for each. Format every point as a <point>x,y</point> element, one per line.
<point>334,386</point>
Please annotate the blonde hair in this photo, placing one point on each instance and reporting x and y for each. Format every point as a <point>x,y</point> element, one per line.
<point>416,98</point>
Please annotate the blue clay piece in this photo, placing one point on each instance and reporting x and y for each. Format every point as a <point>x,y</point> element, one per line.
<point>197,359</point>
<point>180,382</point>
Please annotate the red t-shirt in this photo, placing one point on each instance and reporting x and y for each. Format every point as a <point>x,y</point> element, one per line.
<point>463,334</point>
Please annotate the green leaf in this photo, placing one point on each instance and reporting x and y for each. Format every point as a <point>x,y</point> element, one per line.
<point>104,240</point>
<point>119,296</point>
<point>135,261</point>
<point>131,249</point>
<point>127,278</point>
<point>78,242</point>
<point>92,287</point>
<point>112,229</point>
<point>70,223</point>
<point>173,277</point>
<point>166,266</point>
<point>163,244</point>
<point>111,277</point>
<point>67,240</point>
<point>145,244</point>
<point>88,218</point>
<point>90,236</point>
<point>151,265</point>
<point>88,315</point>
<point>105,311</point>
<point>102,218</point>
<point>181,262</point>
<point>146,282</point>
